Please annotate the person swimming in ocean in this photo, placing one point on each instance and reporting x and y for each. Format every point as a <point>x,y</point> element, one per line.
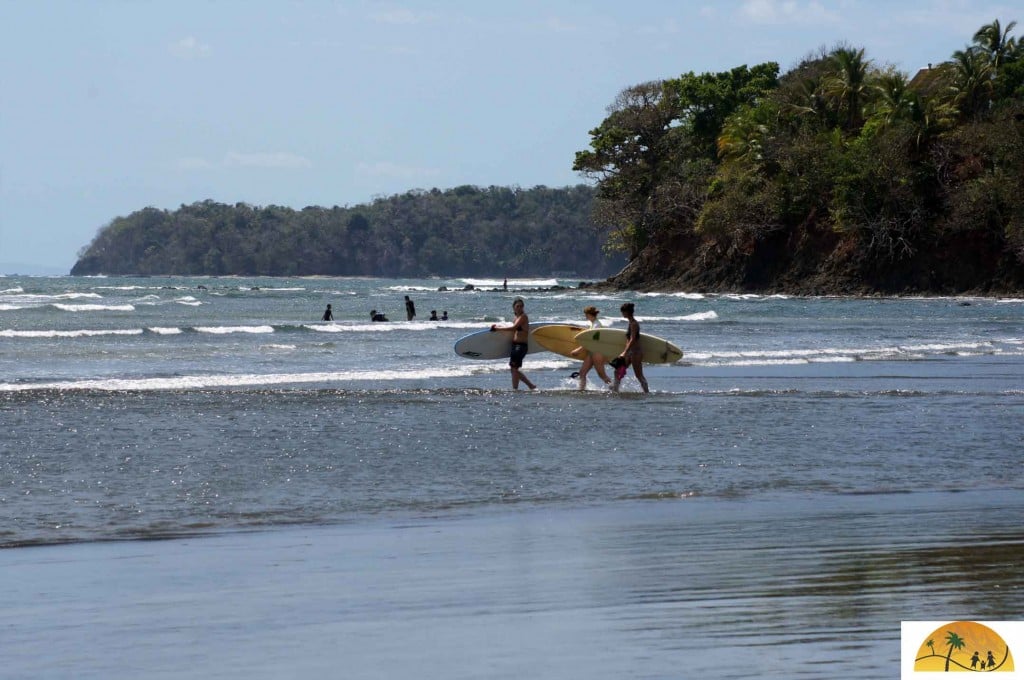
<point>377,316</point>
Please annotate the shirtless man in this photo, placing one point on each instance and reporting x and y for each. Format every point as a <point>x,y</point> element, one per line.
<point>520,338</point>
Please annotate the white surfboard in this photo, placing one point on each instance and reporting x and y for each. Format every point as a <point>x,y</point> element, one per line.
<point>490,344</point>
<point>611,341</point>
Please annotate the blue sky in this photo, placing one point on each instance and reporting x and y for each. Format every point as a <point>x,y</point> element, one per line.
<point>108,106</point>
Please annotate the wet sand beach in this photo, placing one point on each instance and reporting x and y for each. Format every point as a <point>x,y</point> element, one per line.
<point>812,586</point>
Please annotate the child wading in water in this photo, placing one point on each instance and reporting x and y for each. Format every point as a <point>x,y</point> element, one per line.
<point>633,355</point>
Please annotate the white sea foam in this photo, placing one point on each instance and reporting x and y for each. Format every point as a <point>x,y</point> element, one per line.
<point>710,315</point>
<point>684,296</point>
<point>68,334</point>
<point>17,289</point>
<point>390,327</point>
<point>188,300</point>
<point>128,287</point>
<point>224,330</point>
<point>94,308</point>
<point>11,308</point>
<point>412,289</point>
<point>73,296</point>
<point>512,283</point>
<point>159,330</point>
<point>251,380</point>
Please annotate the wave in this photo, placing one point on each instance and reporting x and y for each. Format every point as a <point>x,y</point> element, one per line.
<point>512,283</point>
<point>94,308</point>
<point>224,330</point>
<point>709,315</point>
<point>684,296</point>
<point>781,357</point>
<point>68,334</point>
<point>196,382</point>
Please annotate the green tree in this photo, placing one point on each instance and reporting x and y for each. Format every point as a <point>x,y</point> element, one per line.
<point>995,42</point>
<point>849,86</point>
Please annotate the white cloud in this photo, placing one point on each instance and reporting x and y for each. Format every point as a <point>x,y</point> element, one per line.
<point>389,169</point>
<point>280,159</point>
<point>190,48</point>
<point>786,12</point>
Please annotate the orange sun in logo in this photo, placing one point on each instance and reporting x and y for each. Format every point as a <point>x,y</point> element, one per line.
<point>964,646</point>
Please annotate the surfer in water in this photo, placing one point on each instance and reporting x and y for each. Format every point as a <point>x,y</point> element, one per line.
<point>597,361</point>
<point>633,355</point>
<point>520,342</point>
<point>328,314</point>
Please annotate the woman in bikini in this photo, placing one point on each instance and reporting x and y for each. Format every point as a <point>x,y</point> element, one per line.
<point>592,360</point>
<point>633,355</point>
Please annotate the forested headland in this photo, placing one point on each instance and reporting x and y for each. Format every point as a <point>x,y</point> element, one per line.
<point>465,231</point>
<point>842,175</point>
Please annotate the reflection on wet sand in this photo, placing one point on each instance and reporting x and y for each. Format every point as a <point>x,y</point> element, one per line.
<point>766,588</point>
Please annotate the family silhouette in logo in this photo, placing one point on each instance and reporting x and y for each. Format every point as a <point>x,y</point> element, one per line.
<point>990,662</point>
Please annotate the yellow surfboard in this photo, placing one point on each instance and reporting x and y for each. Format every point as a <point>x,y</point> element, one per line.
<point>560,339</point>
<point>611,341</point>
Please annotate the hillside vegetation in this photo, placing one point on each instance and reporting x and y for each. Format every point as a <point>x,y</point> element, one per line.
<point>464,231</point>
<point>842,175</point>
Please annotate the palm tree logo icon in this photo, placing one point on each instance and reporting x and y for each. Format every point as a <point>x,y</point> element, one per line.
<point>965,646</point>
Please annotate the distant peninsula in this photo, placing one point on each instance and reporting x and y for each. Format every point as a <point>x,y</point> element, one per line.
<point>842,176</point>
<point>465,231</point>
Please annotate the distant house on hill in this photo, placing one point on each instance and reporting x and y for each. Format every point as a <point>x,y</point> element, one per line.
<point>931,80</point>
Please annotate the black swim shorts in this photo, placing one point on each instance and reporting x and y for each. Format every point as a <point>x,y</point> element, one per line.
<point>519,350</point>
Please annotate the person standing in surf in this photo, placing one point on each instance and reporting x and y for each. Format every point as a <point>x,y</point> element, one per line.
<point>328,314</point>
<point>592,360</point>
<point>410,309</point>
<point>633,354</point>
<point>520,342</point>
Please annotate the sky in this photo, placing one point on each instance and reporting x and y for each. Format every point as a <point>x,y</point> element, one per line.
<point>108,107</point>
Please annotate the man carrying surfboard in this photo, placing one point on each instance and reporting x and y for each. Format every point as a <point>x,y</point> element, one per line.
<point>520,342</point>
<point>633,354</point>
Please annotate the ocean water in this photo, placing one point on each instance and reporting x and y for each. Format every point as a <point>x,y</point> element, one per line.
<point>813,471</point>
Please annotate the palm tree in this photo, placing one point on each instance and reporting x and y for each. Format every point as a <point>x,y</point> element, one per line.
<point>848,84</point>
<point>996,42</point>
<point>743,134</point>
<point>895,100</point>
<point>955,642</point>
<point>972,81</point>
